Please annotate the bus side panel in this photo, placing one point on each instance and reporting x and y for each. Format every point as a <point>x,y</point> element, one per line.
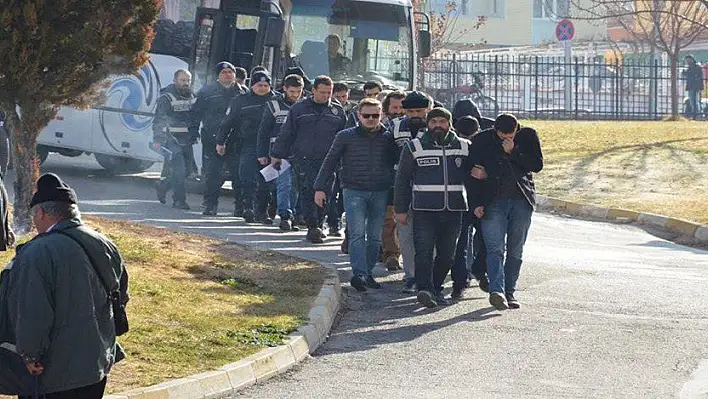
<point>70,129</point>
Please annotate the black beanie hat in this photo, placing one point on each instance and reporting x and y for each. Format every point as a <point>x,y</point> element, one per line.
<point>439,112</point>
<point>416,99</point>
<point>224,65</point>
<point>260,76</point>
<point>51,188</point>
<point>467,125</point>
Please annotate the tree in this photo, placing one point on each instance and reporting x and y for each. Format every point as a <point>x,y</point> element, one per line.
<point>59,53</point>
<point>667,25</point>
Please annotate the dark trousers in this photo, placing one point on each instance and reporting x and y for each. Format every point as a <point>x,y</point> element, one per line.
<point>215,176</point>
<point>434,232</point>
<point>306,171</point>
<point>335,205</point>
<point>94,391</point>
<point>254,190</point>
<point>176,169</point>
<point>460,271</point>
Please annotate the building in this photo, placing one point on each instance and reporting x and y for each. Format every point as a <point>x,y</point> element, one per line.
<point>511,22</point>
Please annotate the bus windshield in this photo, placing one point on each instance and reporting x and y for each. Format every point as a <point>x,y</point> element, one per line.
<point>353,40</point>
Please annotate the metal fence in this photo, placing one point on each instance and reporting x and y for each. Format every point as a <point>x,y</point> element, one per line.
<point>549,87</point>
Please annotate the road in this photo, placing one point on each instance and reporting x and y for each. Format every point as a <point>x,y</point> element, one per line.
<point>607,311</point>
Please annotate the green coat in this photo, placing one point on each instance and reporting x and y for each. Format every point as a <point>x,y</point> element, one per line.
<point>56,310</point>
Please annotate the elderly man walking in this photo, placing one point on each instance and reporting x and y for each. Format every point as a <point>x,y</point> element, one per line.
<point>57,309</point>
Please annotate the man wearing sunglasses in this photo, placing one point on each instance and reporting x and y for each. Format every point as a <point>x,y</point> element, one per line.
<point>366,153</point>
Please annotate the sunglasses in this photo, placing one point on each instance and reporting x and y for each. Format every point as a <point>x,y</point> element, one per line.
<point>369,116</point>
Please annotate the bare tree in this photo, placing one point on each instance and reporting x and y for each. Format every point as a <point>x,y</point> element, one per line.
<point>667,25</point>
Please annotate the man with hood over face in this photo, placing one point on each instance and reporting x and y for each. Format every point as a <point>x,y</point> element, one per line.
<point>467,107</point>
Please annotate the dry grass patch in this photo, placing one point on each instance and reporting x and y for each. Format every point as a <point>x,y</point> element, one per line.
<point>198,303</point>
<point>656,167</point>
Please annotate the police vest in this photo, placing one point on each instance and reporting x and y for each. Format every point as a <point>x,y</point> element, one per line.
<point>280,113</point>
<point>440,174</point>
<point>180,117</point>
<point>402,134</point>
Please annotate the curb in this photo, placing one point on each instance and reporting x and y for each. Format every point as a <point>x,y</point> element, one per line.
<point>261,366</point>
<point>685,228</point>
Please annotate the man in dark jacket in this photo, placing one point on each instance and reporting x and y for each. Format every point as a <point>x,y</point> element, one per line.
<point>436,167</point>
<point>241,123</point>
<point>209,110</point>
<point>56,313</point>
<point>274,116</point>
<point>505,199</point>
<point>175,132</point>
<point>693,74</point>
<point>306,137</point>
<point>467,107</point>
<point>366,153</point>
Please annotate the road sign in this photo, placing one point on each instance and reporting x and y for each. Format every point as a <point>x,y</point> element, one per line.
<point>565,30</point>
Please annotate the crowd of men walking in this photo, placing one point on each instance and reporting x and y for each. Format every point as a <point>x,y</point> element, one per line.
<point>423,189</point>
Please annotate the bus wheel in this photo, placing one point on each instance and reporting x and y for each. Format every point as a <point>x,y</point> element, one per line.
<point>121,165</point>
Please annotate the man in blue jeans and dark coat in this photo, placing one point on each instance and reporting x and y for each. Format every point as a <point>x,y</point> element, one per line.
<point>505,200</point>
<point>432,174</point>
<point>367,155</point>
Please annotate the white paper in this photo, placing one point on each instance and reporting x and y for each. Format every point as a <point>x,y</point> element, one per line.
<point>270,173</point>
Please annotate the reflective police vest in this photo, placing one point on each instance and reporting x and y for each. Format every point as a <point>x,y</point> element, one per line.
<point>402,134</point>
<point>179,120</point>
<point>440,175</point>
<point>280,110</point>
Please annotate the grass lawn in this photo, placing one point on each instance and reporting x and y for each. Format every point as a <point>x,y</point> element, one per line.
<point>656,167</point>
<point>198,303</point>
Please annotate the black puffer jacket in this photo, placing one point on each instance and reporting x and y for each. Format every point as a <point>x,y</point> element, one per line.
<point>367,160</point>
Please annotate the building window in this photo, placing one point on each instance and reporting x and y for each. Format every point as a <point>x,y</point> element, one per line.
<point>551,9</point>
<point>484,8</point>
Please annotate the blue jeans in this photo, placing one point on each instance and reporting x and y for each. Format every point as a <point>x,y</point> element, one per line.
<point>285,194</point>
<point>434,232</point>
<point>366,211</point>
<point>508,220</point>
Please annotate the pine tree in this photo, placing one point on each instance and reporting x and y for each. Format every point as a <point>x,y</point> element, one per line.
<point>57,53</point>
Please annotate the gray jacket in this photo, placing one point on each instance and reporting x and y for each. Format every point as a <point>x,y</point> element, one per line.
<point>56,309</point>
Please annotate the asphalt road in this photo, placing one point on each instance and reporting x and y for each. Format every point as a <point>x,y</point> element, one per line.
<point>608,311</point>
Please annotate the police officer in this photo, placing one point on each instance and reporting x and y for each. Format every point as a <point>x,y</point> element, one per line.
<point>306,136</point>
<point>415,106</point>
<point>209,110</point>
<point>175,131</point>
<point>241,122</point>
<point>274,117</point>
<point>437,167</point>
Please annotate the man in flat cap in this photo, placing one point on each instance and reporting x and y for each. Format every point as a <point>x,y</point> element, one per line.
<point>56,317</point>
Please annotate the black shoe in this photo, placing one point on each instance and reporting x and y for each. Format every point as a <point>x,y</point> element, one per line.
<point>392,264</point>
<point>322,234</point>
<point>209,211</point>
<point>300,221</point>
<point>267,221</point>
<point>238,212</point>
<point>181,205</point>
<point>409,286</point>
<point>371,283</point>
<point>248,216</point>
<point>314,235</point>
<point>286,225</point>
<point>427,299</point>
<point>344,247</point>
<point>440,299</point>
<point>498,300</point>
<point>457,293</point>
<point>272,209</point>
<point>358,283</point>
<point>513,302</point>
<point>334,233</point>
<point>161,189</point>
<point>483,284</point>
